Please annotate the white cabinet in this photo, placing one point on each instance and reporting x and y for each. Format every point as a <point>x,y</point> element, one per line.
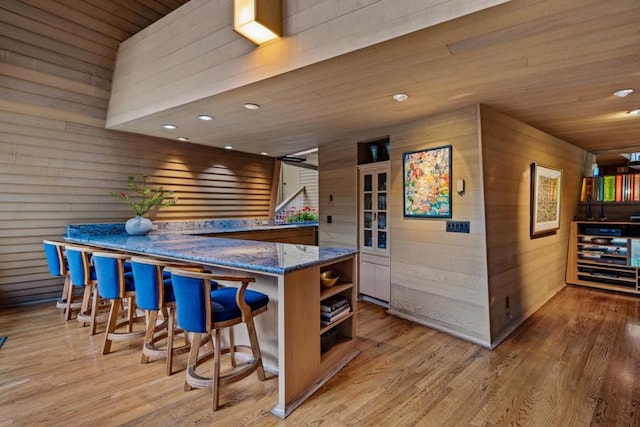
<point>373,223</point>
<point>375,277</point>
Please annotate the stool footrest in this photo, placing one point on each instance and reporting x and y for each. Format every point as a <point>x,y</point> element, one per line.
<point>198,381</point>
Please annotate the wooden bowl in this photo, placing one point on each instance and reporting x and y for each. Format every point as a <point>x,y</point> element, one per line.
<point>329,278</point>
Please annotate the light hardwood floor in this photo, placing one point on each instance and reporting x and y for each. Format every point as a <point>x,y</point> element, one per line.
<point>575,362</point>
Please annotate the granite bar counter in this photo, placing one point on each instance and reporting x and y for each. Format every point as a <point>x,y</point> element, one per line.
<point>290,331</point>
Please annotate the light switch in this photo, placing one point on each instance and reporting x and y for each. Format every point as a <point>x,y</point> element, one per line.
<point>460,186</point>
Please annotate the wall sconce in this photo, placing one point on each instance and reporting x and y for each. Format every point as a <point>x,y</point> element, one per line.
<point>258,20</point>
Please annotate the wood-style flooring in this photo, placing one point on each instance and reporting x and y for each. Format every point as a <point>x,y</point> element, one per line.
<point>575,362</point>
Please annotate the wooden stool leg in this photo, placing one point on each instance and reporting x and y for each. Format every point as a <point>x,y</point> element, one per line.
<point>152,316</point>
<point>193,357</point>
<point>232,346</point>
<point>86,300</point>
<point>69,300</point>
<point>215,385</point>
<point>111,325</point>
<point>65,294</point>
<point>255,348</point>
<point>131,312</point>
<point>94,309</point>
<point>170,331</point>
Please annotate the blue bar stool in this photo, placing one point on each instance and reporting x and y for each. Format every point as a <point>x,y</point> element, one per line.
<point>154,294</point>
<point>58,267</point>
<point>205,312</point>
<point>117,285</point>
<point>83,275</point>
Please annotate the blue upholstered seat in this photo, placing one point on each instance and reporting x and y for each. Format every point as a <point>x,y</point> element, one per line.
<point>83,275</point>
<point>116,282</point>
<point>154,293</point>
<point>205,309</point>
<point>148,292</point>
<point>58,267</point>
<point>55,258</point>
<point>108,275</point>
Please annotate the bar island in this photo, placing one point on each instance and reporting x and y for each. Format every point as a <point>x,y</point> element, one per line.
<point>290,331</point>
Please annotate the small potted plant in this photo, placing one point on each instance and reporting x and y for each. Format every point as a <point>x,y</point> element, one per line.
<point>142,200</point>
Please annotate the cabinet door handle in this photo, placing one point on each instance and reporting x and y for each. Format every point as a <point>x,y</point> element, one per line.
<point>375,216</point>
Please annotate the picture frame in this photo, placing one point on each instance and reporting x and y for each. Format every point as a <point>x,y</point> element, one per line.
<point>546,191</point>
<point>426,176</point>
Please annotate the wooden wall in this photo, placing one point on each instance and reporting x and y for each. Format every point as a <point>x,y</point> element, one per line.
<point>437,278</point>
<point>458,282</point>
<point>526,271</point>
<point>337,180</point>
<point>309,178</point>
<point>57,162</point>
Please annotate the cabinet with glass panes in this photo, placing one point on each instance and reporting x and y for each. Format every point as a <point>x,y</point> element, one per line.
<point>373,223</point>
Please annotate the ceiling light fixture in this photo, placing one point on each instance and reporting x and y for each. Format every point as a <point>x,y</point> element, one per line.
<point>623,92</point>
<point>259,21</point>
<point>169,126</point>
<point>228,147</point>
<point>635,112</point>
<point>400,97</point>
<point>205,117</point>
<point>264,153</point>
<point>183,138</point>
<point>251,106</point>
<point>292,159</point>
<point>302,153</point>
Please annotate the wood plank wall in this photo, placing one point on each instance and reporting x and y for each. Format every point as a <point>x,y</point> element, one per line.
<point>337,180</point>
<point>527,271</point>
<point>57,162</point>
<point>452,281</point>
<point>437,278</point>
<point>309,178</point>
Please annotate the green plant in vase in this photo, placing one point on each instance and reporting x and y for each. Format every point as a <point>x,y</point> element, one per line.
<point>142,200</point>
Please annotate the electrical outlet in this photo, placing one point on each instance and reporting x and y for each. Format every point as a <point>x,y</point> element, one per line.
<point>458,226</point>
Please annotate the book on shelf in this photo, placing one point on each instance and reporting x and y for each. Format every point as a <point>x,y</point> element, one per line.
<point>328,315</point>
<point>327,322</point>
<point>611,188</point>
<point>333,303</point>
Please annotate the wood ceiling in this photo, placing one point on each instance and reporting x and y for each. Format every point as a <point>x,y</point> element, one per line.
<point>553,64</point>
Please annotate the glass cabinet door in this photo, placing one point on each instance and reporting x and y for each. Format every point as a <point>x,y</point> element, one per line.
<point>368,213</point>
<point>374,214</point>
<point>382,210</point>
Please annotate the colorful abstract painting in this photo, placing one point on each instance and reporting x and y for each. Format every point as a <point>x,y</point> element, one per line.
<point>546,184</point>
<point>427,183</point>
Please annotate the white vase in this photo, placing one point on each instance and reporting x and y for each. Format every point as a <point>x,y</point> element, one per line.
<point>138,226</point>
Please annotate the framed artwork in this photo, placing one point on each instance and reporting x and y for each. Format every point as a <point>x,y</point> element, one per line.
<point>546,185</point>
<point>426,176</point>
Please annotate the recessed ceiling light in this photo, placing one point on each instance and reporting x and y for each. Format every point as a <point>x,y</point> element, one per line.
<point>623,92</point>
<point>264,153</point>
<point>183,138</point>
<point>205,117</point>
<point>228,147</point>
<point>635,112</point>
<point>251,106</point>
<point>169,126</point>
<point>400,97</point>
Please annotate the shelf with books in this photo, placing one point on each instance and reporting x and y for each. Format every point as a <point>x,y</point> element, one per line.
<point>337,312</point>
<point>611,188</point>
